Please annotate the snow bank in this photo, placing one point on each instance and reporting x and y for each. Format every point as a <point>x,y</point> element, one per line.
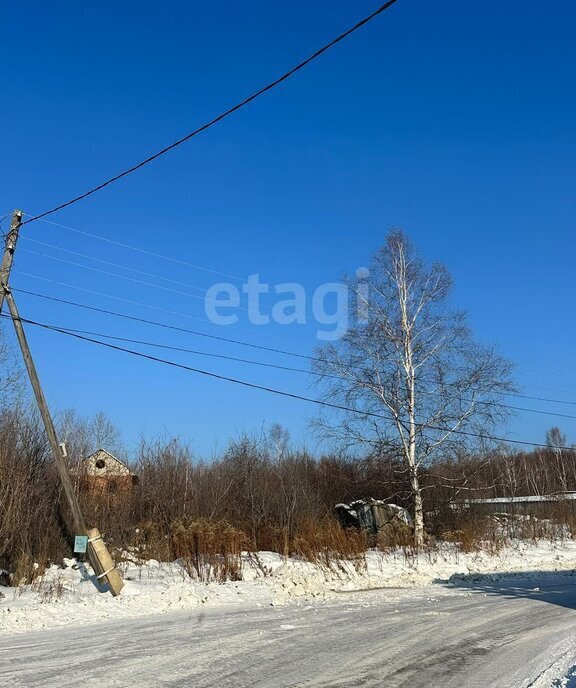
<point>560,671</point>
<point>66,595</point>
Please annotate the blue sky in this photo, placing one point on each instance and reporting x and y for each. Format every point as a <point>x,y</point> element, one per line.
<point>455,121</point>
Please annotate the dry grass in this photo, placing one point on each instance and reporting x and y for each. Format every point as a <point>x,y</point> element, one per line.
<point>209,551</point>
<point>327,544</point>
<point>49,590</point>
<point>151,541</point>
<point>395,535</point>
<point>26,570</point>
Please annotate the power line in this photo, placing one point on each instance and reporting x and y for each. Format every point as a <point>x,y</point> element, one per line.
<point>156,323</point>
<point>131,301</point>
<point>264,348</point>
<point>220,117</point>
<point>291,369</point>
<point>283,393</point>
<point>112,263</point>
<point>114,274</point>
<point>144,251</point>
<point>146,284</point>
<point>2,218</point>
<point>186,284</point>
<point>263,364</point>
<point>107,296</point>
<point>172,281</point>
<point>181,349</point>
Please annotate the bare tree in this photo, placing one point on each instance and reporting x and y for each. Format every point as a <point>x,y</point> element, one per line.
<point>279,440</point>
<point>85,434</point>
<point>556,442</point>
<point>419,383</point>
<point>11,378</point>
<point>555,438</point>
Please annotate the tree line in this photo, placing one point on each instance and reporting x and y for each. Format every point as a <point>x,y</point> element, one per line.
<point>261,484</point>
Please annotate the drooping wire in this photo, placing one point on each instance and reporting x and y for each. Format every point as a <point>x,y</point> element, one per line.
<point>220,117</point>
<point>275,366</point>
<point>155,323</point>
<point>283,393</point>
<point>264,364</point>
<point>227,339</point>
<point>142,304</point>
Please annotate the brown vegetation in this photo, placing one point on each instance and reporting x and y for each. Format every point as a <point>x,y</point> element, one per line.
<point>259,495</point>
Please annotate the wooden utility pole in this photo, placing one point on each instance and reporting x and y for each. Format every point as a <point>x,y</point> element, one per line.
<point>101,561</point>
<point>8,257</point>
<point>59,459</point>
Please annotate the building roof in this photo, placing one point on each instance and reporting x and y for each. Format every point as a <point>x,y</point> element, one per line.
<point>103,463</point>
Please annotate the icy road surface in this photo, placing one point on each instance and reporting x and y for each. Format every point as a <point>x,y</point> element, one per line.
<point>506,634</point>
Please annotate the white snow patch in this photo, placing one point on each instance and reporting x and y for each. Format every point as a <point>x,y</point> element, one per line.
<point>66,595</point>
<point>560,669</point>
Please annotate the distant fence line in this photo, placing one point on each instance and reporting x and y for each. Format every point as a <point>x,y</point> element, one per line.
<point>536,505</point>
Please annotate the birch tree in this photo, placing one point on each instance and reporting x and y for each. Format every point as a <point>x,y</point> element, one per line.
<point>421,386</point>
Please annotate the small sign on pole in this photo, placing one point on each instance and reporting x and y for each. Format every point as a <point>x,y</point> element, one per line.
<point>80,544</point>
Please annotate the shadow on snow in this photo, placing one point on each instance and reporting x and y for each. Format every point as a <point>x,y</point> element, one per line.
<point>541,586</point>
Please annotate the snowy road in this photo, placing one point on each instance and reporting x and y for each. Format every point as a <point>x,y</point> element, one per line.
<point>489,635</point>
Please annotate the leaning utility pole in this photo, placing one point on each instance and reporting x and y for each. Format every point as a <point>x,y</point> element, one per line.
<point>8,257</point>
<point>100,559</point>
<point>59,459</point>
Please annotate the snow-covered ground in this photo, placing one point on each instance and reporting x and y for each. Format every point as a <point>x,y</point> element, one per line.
<point>66,594</point>
<point>500,632</point>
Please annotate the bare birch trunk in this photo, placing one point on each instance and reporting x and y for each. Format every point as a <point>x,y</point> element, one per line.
<point>410,378</point>
<point>418,511</point>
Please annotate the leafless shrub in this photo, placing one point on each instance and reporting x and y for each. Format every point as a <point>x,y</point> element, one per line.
<point>259,565</point>
<point>395,535</point>
<point>49,589</point>
<point>29,497</point>
<point>327,544</point>
<point>25,570</point>
<point>210,552</point>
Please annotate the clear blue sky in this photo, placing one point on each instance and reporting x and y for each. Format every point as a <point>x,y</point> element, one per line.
<point>455,121</point>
